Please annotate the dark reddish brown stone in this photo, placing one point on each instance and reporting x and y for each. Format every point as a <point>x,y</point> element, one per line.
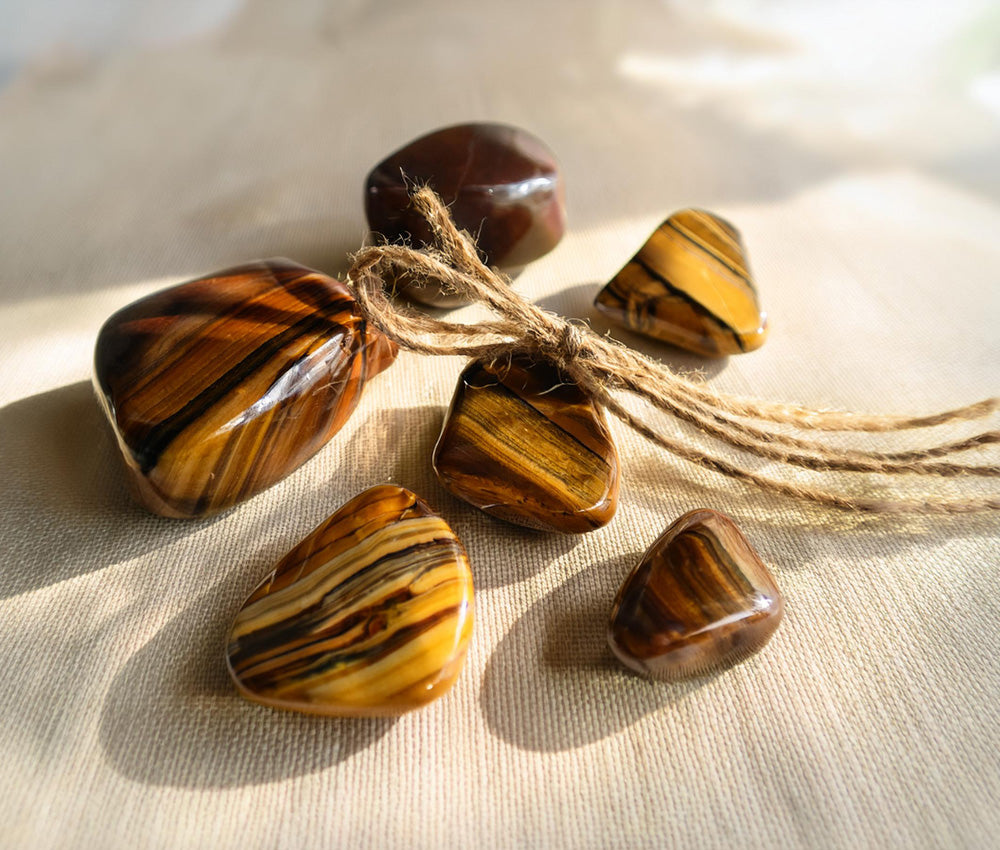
<point>501,184</point>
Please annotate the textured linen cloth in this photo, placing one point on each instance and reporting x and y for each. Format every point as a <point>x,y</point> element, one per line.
<point>856,149</point>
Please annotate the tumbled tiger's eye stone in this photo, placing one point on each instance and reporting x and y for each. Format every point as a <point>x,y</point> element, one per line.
<point>699,600</point>
<point>370,614</point>
<point>689,285</point>
<point>501,184</point>
<point>219,387</point>
<point>526,445</point>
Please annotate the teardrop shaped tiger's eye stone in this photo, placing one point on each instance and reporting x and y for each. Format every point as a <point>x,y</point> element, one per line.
<point>528,446</point>
<point>501,184</point>
<point>689,285</point>
<point>371,614</point>
<point>699,600</point>
<point>219,387</point>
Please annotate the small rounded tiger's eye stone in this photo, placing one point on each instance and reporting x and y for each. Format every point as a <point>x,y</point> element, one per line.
<point>501,184</point>
<point>526,445</point>
<point>699,600</point>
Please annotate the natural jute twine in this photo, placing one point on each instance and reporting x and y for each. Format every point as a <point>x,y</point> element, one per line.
<point>602,367</point>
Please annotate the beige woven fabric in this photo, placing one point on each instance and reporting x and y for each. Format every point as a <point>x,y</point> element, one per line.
<point>871,720</point>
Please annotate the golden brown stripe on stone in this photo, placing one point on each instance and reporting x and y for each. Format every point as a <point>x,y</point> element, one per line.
<point>689,285</point>
<point>715,237</point>
<point>525,445</point>
<point>370,614</point>
<point>218,388</point>
<point>699,600</point>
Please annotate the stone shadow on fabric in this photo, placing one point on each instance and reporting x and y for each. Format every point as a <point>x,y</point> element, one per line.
<point>577,302</point>
<point>65,491</point>
<point>172,716</point>
<point>374,454</point>
<point>556,655</point>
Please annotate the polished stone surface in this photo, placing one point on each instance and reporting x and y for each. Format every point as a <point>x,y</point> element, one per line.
<point>371,614</point>
<point>219,387</point>
<point>690,286</point>
<point>502,185</point>
<point>699,600</point>
<point>525,445</point>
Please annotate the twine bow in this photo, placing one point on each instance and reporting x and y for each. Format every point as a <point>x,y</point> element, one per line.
<point>602,367</point>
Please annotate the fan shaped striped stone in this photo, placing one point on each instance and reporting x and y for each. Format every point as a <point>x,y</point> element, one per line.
<point>689,285</point>
<point>219,387</point>
<point>371,614</point>
<point>699,600</point>
<point>527,445</point>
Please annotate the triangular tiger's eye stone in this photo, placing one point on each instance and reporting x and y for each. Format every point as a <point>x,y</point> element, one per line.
<point>219,387</point>
<point>699,600</point>
<point>689,285</point>
<point>526,445</point>
<point>371,614</point>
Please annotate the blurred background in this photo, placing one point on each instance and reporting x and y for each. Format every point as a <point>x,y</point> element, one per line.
<point>921,78</point>
<point>745,98</point>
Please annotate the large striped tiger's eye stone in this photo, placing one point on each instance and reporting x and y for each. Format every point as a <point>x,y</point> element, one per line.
<point>526,445</point>
<point>219,387</point>
<point>699,600</point>
<point>689,285</point>
<point>501,184</point>
<point>371,614</point>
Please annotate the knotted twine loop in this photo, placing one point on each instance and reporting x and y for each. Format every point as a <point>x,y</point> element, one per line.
<point>602,366</point>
